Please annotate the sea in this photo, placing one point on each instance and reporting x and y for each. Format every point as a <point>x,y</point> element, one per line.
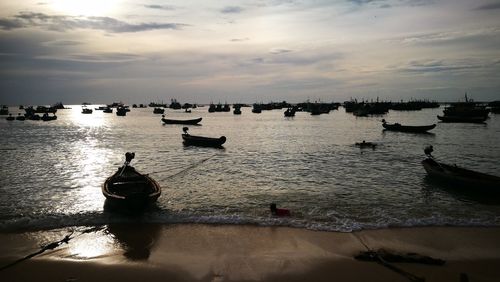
<point>52,172</point>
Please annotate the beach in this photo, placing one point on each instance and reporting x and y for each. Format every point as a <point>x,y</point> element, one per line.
<point>201,252</point>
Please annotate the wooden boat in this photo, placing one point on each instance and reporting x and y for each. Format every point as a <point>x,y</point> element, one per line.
<point>129,188</point>
<point>20,117</point>
<point>471,119</point>
<point>189,140</point>
<point>180,121</point>
<point>407,128</point>
<point>365,144</point>
<point>86,110</point>
<point>46,117</point>
<point>460,176</point>
<point>121,111</point>
<point>158,111</point>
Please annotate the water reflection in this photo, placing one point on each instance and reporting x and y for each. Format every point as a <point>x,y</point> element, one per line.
<point>137,240</point>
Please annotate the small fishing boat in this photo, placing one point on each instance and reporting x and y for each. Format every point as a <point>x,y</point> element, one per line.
<point>158,111</point>
<point>129,188</point>
<point>108,110</point>
<point>407,128</point>
<point>201,141</point>
<point>180,121</point>
<point>86,110</point>
<point>460,176</point>
<point>46,117</point>
<point>365,144</point>
<point>121,111</point>
<point>10,117</point>
<point>20,117</point>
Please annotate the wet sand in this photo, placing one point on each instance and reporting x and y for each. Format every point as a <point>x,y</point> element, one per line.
<point>191,252</point>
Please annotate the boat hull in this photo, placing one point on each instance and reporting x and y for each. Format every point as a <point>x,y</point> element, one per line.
<point>178,121</point>
<point>407,128</point>
<point>462,177</point>
<point>190,140</point>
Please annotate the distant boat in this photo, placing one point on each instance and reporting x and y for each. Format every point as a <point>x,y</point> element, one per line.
<point>10,118</point>
<point>465,119</point>
<point>365,144</point>
<point>108,110</point>
<point>191,140</point>
<point>86,110</point>
<point>180,121</point>
<point>158,111</point>
<point>468,111</point>
<point>129,188</point>
<point>407,128</point>
<point>121,111</point>
<point>290,112</point>
<point>20,117</point>
<point>237,111</point>
<point>46,117</point>
<point>460,176</point>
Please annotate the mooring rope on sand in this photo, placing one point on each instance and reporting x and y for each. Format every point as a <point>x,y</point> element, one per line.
<point>376,257</point>
<point>53,245</point>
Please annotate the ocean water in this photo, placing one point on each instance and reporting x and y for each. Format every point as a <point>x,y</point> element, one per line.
<point>52,172</point>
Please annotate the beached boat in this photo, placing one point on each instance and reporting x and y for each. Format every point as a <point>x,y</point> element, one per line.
<point>129,188</point>
<point>460,176</point>
<point>180,121</point>
<point>407,128</point>
<point>189,140</point>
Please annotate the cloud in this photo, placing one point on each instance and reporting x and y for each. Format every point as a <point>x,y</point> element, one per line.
<point>491,6</point>
<point>433,66</point>
<point>279,51</point>
<point>232,10</point>
<point>64,23</point>
<point>239,39</point>
<point>160,7</point>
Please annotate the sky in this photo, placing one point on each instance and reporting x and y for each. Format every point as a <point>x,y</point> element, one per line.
<point>102,51</point>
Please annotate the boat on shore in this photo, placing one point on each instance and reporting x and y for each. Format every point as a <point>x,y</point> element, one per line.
<point>191,140</point>
<point>459,176</point>
<point>129,188</point>
<point>407,128</point>
<point>180,121</point>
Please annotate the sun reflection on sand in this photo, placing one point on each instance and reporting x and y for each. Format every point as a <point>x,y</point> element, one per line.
<point>91,246</point>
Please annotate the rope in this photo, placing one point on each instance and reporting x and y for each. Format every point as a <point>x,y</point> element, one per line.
<point>185,169</point>
<point>383,262</point>
<point>53,245</point>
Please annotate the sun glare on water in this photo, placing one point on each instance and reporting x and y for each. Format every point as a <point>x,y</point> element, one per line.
<point>85,7</point>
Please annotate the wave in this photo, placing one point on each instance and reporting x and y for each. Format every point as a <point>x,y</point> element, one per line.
<point>58,221</point>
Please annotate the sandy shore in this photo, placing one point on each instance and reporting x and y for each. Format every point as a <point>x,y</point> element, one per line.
<point>190,252</point>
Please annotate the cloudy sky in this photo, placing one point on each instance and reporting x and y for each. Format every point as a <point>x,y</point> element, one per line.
<point>102,51</point>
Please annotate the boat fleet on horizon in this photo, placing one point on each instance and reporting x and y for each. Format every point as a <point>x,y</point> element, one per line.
<point>130,188</point>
